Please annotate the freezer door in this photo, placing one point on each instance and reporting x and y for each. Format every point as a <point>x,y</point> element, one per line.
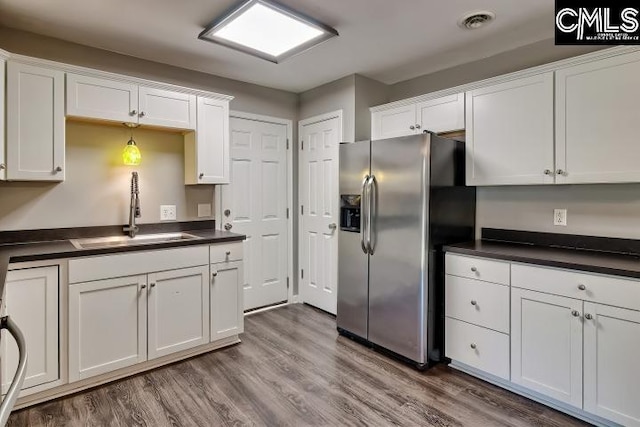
<point>353,264</point>
<point>397,298</point>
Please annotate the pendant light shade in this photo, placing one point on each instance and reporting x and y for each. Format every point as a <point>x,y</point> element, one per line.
<point>131,154</point>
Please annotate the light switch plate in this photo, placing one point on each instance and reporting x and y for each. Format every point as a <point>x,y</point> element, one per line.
<point>560,217</point>
<point>204,210</point>
<point>167,212</point>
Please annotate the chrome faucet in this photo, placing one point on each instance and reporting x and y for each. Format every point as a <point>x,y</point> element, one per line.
<point>134,208</point>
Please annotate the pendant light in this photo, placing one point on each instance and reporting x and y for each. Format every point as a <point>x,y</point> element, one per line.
<point>131,154</point>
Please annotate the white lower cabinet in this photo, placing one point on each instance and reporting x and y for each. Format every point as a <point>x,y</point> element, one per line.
<point>611,374</point>
<point>546,344</point>
<point>178,310</point>
<point>227,307</point>
<point>31,300</point>
<point>107,325</point>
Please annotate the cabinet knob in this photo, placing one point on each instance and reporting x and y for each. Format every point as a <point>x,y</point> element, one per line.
<point>575,313</point>
<point>227,212</point>
<point>228,226</point>
<point>475,270</point>
<point>582,287</point>
<point>417,126</point>
<point>58,169</point>
<point>473,346</point>
<point>133,113</point>
<point>548,172</point>
<point>201,175</point>
<point>214,274</point>
<point>143,286</point>
<point>560,172</point>
<point>141,114</point>
<point>2,166</point>
<point>412,127</point>
<point>227,253</point>
<point>474,302</point>
<point>153,285</point>
<point>588,316</point>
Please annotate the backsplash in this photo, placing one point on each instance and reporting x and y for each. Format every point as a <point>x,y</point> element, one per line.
<point>96,189</point>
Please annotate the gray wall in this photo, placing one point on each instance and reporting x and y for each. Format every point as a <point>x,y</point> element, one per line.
<point>336,95</point>
<point>368,92</point>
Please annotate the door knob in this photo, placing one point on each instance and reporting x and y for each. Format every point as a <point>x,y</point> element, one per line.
<point>227,212</point>
<point>332,226</point>
<point>228,226</point>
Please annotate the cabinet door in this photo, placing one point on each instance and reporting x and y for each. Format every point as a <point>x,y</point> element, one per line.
<point>597,121</point>
<point>3,164</point>
<point>107,325</point>
<point>227,317</point>
<point>31,300</point>
<point>166,108</point>
<point>444,114</point>
<point>207,149</point>
<point>611,374</point>
<point>546,344</point>
<point>399,121</point>
<point>178,310</point>
<point>101,99</point>
<point>35,123</point>
<point>509,132</point>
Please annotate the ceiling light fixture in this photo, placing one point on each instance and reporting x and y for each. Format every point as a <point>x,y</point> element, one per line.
<point>475,20</point>
<point>267,29</point>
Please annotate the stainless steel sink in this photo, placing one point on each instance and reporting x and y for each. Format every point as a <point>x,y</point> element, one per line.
<point>142,239</point>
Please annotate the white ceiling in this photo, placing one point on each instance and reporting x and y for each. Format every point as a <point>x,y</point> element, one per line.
<point>388,40</point>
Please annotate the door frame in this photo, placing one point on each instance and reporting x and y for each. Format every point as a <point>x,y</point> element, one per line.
<point>337,114</point>
<point>218,193</point>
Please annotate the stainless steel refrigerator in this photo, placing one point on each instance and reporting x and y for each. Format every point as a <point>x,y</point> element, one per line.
<point>401,200</point>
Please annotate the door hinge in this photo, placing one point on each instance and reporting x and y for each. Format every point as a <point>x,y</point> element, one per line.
<point>301,209</point>
<point>287,213</point>
<point>287,283</point>
<point>302,273</point>
<point>287,143</point>
<point>302,145</point>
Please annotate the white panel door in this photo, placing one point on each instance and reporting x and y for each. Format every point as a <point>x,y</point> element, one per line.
<point>3,164</point>
<point>597,121</point>
<point>255,204</point>
<point>399,121</point>
<point>444,114</point>
<point>509,132</point>
<point>31,300</point>
<point>107,325</point>
<point>101,99</point>
<point>177,310</point>
<point>611,374</point>
<point>227,315</point>
<point>319,213</point>
<point>166,108</point>
<point>546,344</point>
<point>35,123</point>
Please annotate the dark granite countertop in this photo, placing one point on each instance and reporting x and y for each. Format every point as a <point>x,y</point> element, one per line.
<point>581,256</point>
<point>63,248</point>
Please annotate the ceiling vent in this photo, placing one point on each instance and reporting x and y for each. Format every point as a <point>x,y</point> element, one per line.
<point>475,20</point>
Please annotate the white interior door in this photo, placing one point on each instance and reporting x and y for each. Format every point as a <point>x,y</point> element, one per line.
<point>319,146</point>
<point>255,204</point>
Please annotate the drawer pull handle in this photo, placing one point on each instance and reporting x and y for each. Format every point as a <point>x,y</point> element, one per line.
<point>473,346</point>
<point>575,313</point>
<point>474,302</point>
<point>582,287</point>
<point>475,270</point>
<point>588,316</point>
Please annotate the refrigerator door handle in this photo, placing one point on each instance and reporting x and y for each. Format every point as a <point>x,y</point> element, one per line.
<point>364,214</point>
<point>372,212</point>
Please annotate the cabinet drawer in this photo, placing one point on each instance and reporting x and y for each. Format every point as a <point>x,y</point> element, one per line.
<point>616,291</point>
<point>481,303</point>
<point>225,252</point>
<point>491,352</point>
<point>477,268</point>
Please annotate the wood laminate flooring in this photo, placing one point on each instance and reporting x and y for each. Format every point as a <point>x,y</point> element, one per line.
<point>292,369</point>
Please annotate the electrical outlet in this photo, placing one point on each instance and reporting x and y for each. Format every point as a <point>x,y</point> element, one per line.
<point>167,212</point>
<point>204,210</point>
<point>560,217</point>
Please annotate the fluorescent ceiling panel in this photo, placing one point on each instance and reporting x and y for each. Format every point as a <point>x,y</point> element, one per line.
<point>267,29</point>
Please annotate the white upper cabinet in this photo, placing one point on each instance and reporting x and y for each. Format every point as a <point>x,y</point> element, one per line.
<point>598,121</point>
<point>394,122</point>
<point>611,374</point>
<point>443,114</point>
<point>166,108</point>
<point>207,149</point>
<point>35,123</point>
<point>113,100</point>
<point>509,132</point>
<point>101,99</point>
